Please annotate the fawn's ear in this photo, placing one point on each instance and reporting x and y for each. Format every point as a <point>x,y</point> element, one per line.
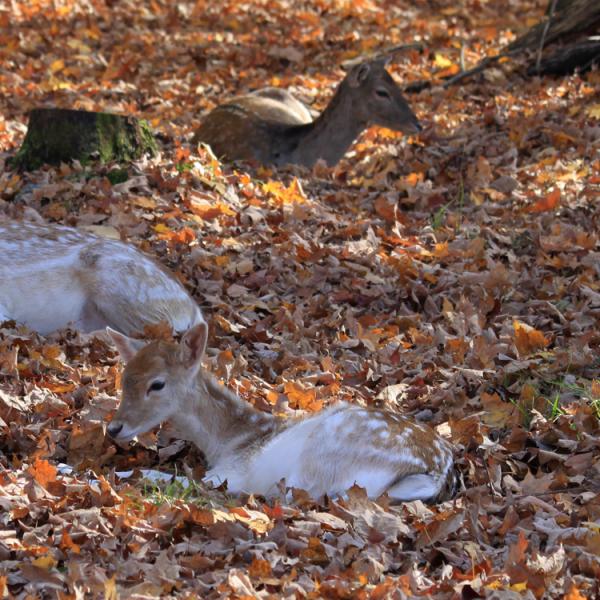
<point>359,74</point>
<point>127,347</point>
<point>193,345</point>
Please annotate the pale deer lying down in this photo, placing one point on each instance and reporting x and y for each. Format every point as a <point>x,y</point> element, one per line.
<point>326,453</point>
<point>273,127</point>
<point>53,276</point>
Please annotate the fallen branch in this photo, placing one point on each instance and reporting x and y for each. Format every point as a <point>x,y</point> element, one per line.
<point>538,60</point>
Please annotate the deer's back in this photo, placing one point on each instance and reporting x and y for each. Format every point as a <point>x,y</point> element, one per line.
<point>254,126</point>
<point>23,243</point>
<point>51,275</point>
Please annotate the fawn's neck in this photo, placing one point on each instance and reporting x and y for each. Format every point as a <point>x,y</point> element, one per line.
<point>220,423</point>
<point>331,133</point>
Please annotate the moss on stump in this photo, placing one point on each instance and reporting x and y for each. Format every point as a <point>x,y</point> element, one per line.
<point>56,135</point>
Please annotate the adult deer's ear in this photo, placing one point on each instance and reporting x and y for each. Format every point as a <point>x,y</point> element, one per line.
<point>126,346</point>
<point>193,345</point>
<point>359,74</point>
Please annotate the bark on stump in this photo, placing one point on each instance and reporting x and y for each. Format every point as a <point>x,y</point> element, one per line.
<point>56,135</point>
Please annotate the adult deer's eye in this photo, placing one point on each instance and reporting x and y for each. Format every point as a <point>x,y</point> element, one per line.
<point>382,93</point>
<point>156,386</point>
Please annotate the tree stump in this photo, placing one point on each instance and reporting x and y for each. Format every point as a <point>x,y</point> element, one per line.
<point>56,135</point>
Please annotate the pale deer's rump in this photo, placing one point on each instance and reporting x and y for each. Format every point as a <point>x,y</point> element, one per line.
<point>24,244</point>
<point>53,277</point>
<point>44,295</point>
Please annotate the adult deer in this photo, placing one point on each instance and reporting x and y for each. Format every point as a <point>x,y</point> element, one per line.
<point>53,276</point>
<point>271,126</point>
<point>325,453</point>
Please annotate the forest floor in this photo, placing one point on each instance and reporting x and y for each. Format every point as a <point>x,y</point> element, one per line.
<point>452,276</point>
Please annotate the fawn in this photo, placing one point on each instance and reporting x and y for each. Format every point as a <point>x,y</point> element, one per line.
<point>53,276</point>
<point>271,126</point>
<point>325,453</point>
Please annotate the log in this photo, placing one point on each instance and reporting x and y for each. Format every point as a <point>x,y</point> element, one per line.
<point>56,135</point>
<point>572,19</point>
<point>580,56</point>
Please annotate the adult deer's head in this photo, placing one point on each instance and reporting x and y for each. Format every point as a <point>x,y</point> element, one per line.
<point>377,97</point>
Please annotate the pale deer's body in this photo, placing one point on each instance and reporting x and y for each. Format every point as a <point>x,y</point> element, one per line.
<point>325,453</point>
<point>273,127</point>
<point>53,276</point>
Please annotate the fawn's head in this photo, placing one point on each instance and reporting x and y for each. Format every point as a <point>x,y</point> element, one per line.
<point>156,380</point>
<point>378,99</point>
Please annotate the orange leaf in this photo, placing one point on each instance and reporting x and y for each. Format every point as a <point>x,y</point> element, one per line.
<point>300,397</point>
<point>208,211</point>
<point>547,203</point>
<point>67,543</point>
<point>457,349</point>
<point>57,388</point>
<point>385,209</point>
<point>184,236</point>
<point>43,472</point>
<point>259,568</point>
<point>315,552</point>
<point>528,339</point>
<point>574,594</point>
<point>285,195</point>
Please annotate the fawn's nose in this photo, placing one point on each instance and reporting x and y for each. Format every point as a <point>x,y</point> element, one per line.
<point>114,429</point>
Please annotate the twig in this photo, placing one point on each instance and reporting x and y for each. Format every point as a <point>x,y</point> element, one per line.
<point>482,66</point>
<point>395,49</point>
<point>538,60</point>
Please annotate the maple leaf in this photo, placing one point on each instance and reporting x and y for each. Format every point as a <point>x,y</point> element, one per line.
<point>43,472</point>
<point>574,594</point>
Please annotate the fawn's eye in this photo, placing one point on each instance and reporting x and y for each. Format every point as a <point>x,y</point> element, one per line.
<point>156,386</point>
<point>382,93</point>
